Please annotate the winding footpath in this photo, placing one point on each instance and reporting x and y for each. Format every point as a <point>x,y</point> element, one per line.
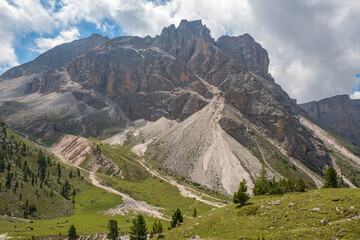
<point>128,204</point>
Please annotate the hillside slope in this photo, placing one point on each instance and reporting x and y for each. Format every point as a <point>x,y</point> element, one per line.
<point>317,214</point>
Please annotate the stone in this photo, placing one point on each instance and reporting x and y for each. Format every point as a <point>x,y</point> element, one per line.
<point>196,237</point>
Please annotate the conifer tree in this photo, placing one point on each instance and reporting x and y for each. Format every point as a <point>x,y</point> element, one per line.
<point>113,230</point>
<point>177,218</point>
<point>241,197</point>
<point>138,231</point>
<point>72,233</point>
<point>331,178</point>
<point>194,213</point>
<point>157,228</point>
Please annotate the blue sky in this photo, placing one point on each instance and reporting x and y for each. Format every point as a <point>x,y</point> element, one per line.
<point>313,45</point>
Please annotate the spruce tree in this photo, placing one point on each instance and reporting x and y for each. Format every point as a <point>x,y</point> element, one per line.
<point>113,230</point>
<point>138,231</point>
<point>157,228</point>
<point>72,233</point>
<point>241,197</point>
<point>8,180</point>
<point>194,213</point>
<point>177,218</point>
<point>331,178</point>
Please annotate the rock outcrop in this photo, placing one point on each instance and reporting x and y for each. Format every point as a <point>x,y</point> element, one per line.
<point>339,114</point>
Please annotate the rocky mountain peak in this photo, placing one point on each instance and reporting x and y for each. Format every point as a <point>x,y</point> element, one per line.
<point>198,29</point>
<point>188,30</point>
<point>247,52</point>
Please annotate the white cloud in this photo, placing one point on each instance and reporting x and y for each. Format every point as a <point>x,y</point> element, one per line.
<point>17,18</point>
<point>69,35</point>
<point>355,95</point>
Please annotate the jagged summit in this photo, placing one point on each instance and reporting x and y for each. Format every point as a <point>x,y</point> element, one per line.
<point>213,93</point>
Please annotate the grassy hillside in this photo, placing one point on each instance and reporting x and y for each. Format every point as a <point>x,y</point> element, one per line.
<point>85,204</point>
<point>33,184</point>
<point>316,214</point>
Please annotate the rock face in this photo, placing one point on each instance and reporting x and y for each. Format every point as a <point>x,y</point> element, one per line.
<point>95,84</point>
<point>340,114</point>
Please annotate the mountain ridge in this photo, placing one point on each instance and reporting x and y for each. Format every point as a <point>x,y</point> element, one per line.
<point>178,74</point>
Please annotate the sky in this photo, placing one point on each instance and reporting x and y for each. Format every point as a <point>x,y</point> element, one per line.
<point>313,45</point>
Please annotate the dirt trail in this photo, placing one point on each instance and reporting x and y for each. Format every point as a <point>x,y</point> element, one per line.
<point>263,155</point>
<point>339,173</point>
<point>186,191</point>
<point>129,204</point>
<point>317,180</point>
<point>329,140</point>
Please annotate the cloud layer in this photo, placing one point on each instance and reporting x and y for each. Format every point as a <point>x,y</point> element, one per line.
<point>313,45</point>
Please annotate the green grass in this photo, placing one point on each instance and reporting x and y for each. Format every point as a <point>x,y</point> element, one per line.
<point>157,193</point>
<point>261,218</point>
<point>126,160</point>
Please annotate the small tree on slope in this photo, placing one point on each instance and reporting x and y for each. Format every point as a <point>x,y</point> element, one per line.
<point>241,197</point>
<point>177,218</point>
<point>72,233</point>
<point>138,230</point>
<point>113,230</point>
<point>331,178</point>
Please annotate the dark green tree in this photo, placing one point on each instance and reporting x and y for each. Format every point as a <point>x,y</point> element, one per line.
<point>72,233</point>
<point>157,228</point>
<point>59,170</point>
<point>331,178</point>
<point>194,213</point>
<point>8,180</point>
<point>2,164</point>
<point>138,231</point>
<point>177,218</point>
<point>65,189</point>
<point>113,230</point>
<point>241,197</point>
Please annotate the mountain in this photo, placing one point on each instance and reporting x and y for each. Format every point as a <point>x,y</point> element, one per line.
<point>213,113</point>
<point>339,113</point>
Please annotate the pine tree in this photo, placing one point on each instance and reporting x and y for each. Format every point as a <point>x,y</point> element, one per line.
<point>59,170</point>
<point>241,197</point>
<point>138,231</point>
<point>72,233</point>
<point>65,190</point>
<point>113,230</point>
<point>8,180</point>
<point>331,178</point>
<point>194,213</point>
<point>157,228</point>
<point>2,164</point>
<point>177,218</point>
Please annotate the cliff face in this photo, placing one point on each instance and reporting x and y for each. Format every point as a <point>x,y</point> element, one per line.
<point>95,84</point>
<point>340,114</point>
